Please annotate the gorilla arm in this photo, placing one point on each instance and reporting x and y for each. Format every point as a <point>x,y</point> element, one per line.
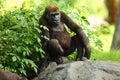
<point>78,30</point>
<point>45,33</point>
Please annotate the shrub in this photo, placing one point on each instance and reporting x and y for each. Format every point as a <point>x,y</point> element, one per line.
<point>20,44</point>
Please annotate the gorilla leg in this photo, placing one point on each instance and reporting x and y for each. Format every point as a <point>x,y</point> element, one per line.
<point>54,48</point>
<point>53,51</point>
<point>76,44</point>
<point>83,52</point>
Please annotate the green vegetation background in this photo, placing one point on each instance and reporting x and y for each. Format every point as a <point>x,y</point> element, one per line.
<point>20,39</point>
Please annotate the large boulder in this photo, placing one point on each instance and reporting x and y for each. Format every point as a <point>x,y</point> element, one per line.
<point>7,75</point>
<point>81,70</point>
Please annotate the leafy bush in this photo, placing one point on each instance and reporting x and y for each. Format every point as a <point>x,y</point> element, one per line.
<point>20,44</point>
<point>20,40</point>
<point>105,30</point>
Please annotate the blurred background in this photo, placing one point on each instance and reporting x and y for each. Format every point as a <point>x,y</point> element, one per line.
<point>20,39</point>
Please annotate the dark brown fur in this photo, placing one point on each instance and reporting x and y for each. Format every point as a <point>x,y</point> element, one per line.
<point>60,43</point>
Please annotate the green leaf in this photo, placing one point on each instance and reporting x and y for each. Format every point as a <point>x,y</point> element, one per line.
<point>14,58</point>
<point>83,17</point>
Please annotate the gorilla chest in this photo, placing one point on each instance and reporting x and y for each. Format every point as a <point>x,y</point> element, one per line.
<point>63,37</point>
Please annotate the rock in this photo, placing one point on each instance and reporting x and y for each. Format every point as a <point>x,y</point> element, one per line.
<point>6,75</point>
<point>81,70</point>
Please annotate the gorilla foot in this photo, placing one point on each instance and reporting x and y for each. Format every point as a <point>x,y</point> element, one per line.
<point>83,59</point>
<point>61,60</point>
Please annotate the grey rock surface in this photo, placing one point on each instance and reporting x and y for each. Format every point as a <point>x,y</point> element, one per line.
<point>81,70</point>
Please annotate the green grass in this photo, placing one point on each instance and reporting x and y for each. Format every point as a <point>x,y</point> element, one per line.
<point>106,54</point>
<point>107,38</point>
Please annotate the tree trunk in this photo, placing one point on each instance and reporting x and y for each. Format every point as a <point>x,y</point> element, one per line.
<point>116,37</point>
<point>112,10</point>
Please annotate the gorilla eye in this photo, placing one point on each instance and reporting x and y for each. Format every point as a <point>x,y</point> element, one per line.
<point>54,14</point>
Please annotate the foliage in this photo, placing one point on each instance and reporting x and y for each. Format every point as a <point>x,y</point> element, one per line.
<point>105,30</point>
<point>20,44</point>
